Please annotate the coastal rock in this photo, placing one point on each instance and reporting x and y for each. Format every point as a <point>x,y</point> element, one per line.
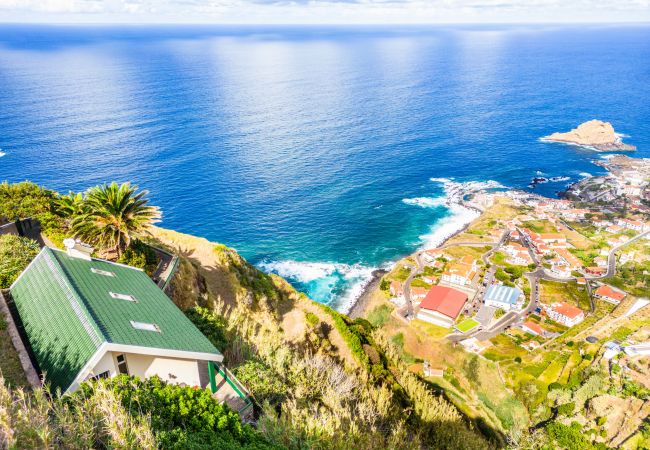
<point>596,134</point>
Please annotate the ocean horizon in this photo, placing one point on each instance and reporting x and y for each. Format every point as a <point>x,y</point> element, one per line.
<point>319,153</point>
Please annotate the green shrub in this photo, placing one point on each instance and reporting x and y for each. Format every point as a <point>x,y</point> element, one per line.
<point>518,359</point>
<point>566,409</point>
<point>312,319</point>
<point>554,385</point>
<point>15,255</point>
<point>140,255</point>
<point>182,417</point>
<point>351,339</point>
<point>384,285</point>
<point>210,324</point>
<point>380,315</point>
<point>262,381</point>
<point>601,421</point>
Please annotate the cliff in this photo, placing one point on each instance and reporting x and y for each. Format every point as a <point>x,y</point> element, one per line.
<point>595,134</point>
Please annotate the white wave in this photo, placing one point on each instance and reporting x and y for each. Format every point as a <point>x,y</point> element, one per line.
<point>585,175</point>
<point>325,276</point>
<point>460,217</point>
<point>440,180</point>
<point>558,179</point>
<point>425,202</point>
<point>2,153</point>
<point>539,173</point>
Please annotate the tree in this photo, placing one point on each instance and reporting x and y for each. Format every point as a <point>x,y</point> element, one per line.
<point>69,206</point>
<point>15,254</point>
<point>113,215</point>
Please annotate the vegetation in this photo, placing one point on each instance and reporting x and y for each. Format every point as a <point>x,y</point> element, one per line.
<point>112,215</point>
<point>123,413</point>
<point>15,254</point>
<point>140,255</point>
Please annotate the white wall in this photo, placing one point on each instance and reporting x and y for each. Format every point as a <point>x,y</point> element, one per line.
<point>435,318</point>
<point>172,370</point>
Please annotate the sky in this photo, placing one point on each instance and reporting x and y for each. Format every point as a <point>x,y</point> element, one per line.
<point>324,11</point>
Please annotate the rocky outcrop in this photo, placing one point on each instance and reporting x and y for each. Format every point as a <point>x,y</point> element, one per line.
<point>595,134</point>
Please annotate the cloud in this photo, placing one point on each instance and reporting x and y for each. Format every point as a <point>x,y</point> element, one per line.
<point>324,11</point>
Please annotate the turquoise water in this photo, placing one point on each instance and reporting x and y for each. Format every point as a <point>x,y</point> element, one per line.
<point>311,150</point>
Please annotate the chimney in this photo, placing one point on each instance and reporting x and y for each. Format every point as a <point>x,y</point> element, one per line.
<point>77,249</point>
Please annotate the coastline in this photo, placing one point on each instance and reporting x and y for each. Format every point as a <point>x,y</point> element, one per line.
<point>360,305</point>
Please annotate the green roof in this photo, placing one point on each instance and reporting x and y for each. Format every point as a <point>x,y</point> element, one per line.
<point>68,311</point>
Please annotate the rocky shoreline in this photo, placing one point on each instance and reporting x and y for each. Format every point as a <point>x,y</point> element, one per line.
<point>594,134</point>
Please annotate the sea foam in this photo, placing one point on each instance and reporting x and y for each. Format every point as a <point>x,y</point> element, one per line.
<point>425,202</point>
<point>325,281</point>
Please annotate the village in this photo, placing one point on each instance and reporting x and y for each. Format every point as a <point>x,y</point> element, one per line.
<point>534,269</point>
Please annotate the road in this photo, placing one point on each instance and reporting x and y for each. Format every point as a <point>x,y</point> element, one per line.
<point>611,258</point>
<point>419,267</point>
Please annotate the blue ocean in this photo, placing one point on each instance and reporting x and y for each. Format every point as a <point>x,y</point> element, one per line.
<point>311,150</point>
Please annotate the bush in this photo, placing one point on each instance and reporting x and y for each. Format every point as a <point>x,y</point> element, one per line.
<point>351,339</point>
<point>23,200</point>
<point>262,381</point>
<point>588,357</point>
<point>140,255</point>
<point>384,285</point>
<point>312,319</point>
<point>554,385</point>
<point>566,409</point>
<point>211,325</point>
<point>182,417</point>
<point>518,359</point>
<point>15,255</point>
<point>380,315</point>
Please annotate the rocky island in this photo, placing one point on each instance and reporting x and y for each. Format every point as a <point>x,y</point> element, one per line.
<point>595,134</point>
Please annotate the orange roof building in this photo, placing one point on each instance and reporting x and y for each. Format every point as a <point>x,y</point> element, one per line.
<point>608,294</point>
<point>442,305</point>
<point>565,314</point>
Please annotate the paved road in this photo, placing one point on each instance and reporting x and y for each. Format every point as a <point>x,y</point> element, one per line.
<point>611,258</point>
<point>415,270</point>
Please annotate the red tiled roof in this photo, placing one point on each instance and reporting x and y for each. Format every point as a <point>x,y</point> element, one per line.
<point>533,327</point>
<point>418,290</point>
<point>606,291</point>
<point>444,300</point>
<point>567,310</point>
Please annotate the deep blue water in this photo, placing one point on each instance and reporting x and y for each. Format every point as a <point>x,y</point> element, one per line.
<point>297,146</point>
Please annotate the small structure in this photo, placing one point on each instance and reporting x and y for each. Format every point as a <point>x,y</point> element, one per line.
<point>533,328</point>
<point>86,318</point>
<point>607,293</point>
<point>567,315</point>
<point>442,306</point>
<point>504,297</point>
<point>396,289</point>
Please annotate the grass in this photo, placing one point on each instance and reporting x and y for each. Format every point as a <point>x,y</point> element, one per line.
<point>10,365</point>
<point>540,226</point>
<point>430,329</point>
<point>504,348</point>
<point>380,315</point>
<point>570,293</point>
<point>466,325</point>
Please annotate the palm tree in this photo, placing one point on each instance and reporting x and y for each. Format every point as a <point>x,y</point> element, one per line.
<point>113,215</point>
<point>69,206</point>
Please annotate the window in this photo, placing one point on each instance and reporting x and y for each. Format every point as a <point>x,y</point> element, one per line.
<point>104,374</point>
<point>145,326</point>
<point>122,367</point>
<point>126,297</point>
<point>102,272</point>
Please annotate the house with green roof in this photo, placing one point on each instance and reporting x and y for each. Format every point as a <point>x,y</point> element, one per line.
<point>88,318</point>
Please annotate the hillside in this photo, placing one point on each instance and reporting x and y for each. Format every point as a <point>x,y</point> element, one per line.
<point>324,380</point>
<point>319,379</point>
